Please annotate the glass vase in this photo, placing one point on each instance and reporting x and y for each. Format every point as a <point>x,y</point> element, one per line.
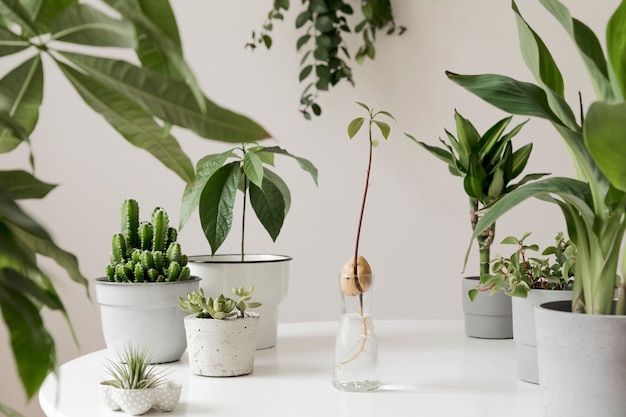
<point>356,351</point>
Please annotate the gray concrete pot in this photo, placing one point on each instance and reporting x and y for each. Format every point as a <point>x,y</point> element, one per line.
<point>489,316</point>
<point>269,274</point>
<point>581,362</point>
<point>524,329</point>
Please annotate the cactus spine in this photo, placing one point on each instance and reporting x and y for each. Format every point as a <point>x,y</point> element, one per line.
<point>146,251</point>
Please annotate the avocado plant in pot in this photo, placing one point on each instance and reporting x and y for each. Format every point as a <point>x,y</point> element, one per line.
<point>488,165</point>
<point>221,334</point>
<point>575,380</point>
<point>219,178</point>
<point>531,281</point>
<point>138,297</point>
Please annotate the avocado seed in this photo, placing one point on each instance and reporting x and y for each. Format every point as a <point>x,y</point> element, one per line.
<point>348,282</point>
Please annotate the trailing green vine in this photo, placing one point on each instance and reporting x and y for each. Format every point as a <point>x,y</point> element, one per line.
<point>325,54</point>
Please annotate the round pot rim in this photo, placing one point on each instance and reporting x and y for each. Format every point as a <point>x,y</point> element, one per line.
<point>105,281</point>
<point>565,307</point>
<point>250,315</point>
<point>249,258</point>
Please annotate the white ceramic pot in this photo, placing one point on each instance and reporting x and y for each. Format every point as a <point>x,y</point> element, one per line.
<point>144,315</point>
<point>488,316</point>
<point>221,347</point>
<point>581,362</point>
<point>524,329</point>
<point>269,274</point>
<point>139,401</point>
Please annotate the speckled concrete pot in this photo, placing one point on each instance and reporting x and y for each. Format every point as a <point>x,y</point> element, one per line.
<point>221,347</point>
<point>140,401</point>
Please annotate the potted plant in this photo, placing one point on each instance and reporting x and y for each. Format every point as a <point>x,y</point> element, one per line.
<point>147,274</point>
<point>219,178</point>
<point>140,101</point>
<point>488,165</point>
<point>531,281</point>
<point>135,386</point>
<point>356,348</point>
<point>221,334</point>
<point>574,380</point>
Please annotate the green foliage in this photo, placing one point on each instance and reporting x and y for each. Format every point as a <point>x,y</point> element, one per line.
<point>221,307</point>
<point>133,370</point>
<point>146,251</point>
<point>325,55</point>
<point>487,164</point>
<point>594,206</point>
<point>520,272</point>
<point>219,176</point>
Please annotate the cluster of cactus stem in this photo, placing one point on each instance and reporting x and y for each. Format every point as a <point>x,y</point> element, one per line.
<point>146,251</point>
<point>219,308</point>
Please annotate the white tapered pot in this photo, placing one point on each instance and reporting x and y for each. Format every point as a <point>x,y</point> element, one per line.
<point>269,274</point>
<point>488,316</point>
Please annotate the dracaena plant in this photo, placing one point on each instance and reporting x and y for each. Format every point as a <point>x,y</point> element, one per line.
<point>594,204</point>
<point>488,165</point>
<point>245,168</point>
<point>140,101</point>
<point>521,272</point>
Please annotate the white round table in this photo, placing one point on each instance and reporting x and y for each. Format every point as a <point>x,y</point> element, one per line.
<point>428,368</point>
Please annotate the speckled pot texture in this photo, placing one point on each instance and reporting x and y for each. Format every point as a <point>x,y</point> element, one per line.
<point>221,348</point>
<point>140,401</point>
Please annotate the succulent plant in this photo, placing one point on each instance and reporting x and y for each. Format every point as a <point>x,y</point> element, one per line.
<point>221,307</point>
<point>133,370</point>
<point>146,251</point>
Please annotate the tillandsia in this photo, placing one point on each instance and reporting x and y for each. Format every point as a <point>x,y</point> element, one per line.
<point>488,165</point>
<point>325,52</point>
<point>134,370</point>
<point>221,307</point>
<point>356,274</point>
<point>146,251</point>
<point>521,272</point>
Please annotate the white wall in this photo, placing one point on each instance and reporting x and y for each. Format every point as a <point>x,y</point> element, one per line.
<point>416,228</point>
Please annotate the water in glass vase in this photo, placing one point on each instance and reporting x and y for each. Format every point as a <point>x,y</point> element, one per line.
<point>356,354</point>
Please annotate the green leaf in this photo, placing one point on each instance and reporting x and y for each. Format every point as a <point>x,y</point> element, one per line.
<point>22,185</point>
<point>605,138</point>
<point>15,11</point>
<point>355,126</point>
<point>305,72</point>
<point>442,154</point>
<point>510,240</point>
<point>520,158</point>
<point>588,46</point>
<point>46,11</point>
<point>466,132</point>
<point>253,168</point>
<point>33,346</point>
<point>302,40</point>
<point>10,43</point>
<point>496,186</point>
<point>324,23</point>
<point>132,122</point>
<point>384,128</point>
<point>487,142</point>
<point>616,45</point>
<point>82,24</point>
<point>475,182</point>
<point>281,186</point>
<point>472,294</point>
<point>269,206</point>
<point>21,92</point>
<point>216,204</point>
<point>305,164</point>
<point>170,100</point>
<point>302,18</point>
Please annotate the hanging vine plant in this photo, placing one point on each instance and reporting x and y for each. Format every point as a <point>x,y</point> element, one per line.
<point>325,54</point>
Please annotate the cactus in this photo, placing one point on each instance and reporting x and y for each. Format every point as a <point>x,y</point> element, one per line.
<point>146,251</point>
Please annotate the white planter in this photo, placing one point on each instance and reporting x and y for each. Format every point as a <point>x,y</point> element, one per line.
<point>489,316</point>
<point>581,362</point>
<point>144,315</point>
<point>140,401</point>
<point>269,274</point>
<point>221,347</point>
<point>524,329</point>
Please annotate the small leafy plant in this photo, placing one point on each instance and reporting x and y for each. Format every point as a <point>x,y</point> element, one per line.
<point>325,55</point>
<point>221,307</point>
<point>146,251</point>
<point>520,272</point>
<point>488,165</point>
<point>219,176</point>
<point>133,370</point>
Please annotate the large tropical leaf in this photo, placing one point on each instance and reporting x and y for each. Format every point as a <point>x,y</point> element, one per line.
<point>132,122</point>
<point>170,100</point>
<point>216,204</point>
<point>14,11</point>
<point>269,206</point>
<point>46,11</point>
<point>605,136</point>
<point>85,25</point>
<point>11,43</point>
<point>616,46</point>
<point>588,46</point>
<point>22,185</point>
<point>21,92</point>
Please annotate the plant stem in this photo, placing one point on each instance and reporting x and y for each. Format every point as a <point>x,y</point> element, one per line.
<point>485,239</point>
